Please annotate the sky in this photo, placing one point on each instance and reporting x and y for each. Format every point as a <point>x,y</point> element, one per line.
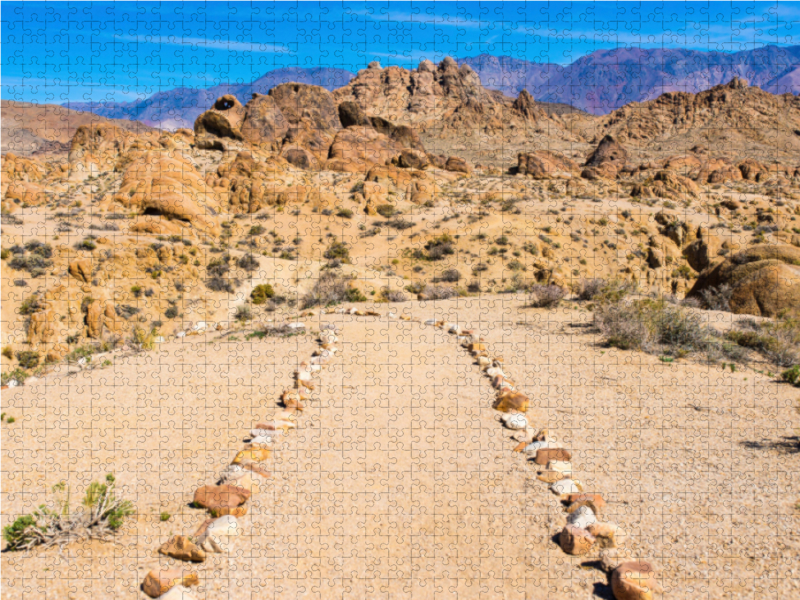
<point>55,52</point>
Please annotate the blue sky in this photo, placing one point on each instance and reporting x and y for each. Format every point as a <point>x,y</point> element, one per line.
<point>72,51</point>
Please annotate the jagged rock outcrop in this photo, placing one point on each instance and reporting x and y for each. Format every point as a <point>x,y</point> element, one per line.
<point>704,251</point>
<point>765,280</point>
<point>668,185</point>
<point>734,118</point>
<point>544,164</point>
<point>607,160</point>
<point>168,185</point>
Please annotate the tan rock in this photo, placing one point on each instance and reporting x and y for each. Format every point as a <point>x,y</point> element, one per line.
<point>219,498</point>
<point>160,582</point>
<point>575,541</point>
<point>609,535</point>
<point>543,164</point>
<point>182,548</point>
<point>507,402</point>
<point>81,269</point>
<point>545,455</point>
<point>597,503</point>
<point>41,327</point>
<point>94,319</point>
<point>551,476</point>
<point>457,164</point>
<point>634,580</point>
<point>253,454</point>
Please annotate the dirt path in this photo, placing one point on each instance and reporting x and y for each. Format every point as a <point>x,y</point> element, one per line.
<point>400,482</point>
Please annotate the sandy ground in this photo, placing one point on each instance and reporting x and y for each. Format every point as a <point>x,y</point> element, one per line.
<point>400,482</point>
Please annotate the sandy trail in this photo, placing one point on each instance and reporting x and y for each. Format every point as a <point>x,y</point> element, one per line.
<point>400,482</point>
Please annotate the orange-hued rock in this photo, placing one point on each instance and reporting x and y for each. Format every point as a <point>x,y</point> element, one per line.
<point>575,541</point>
<point>182,548</point>
<point>634,580</point>
<point>219,497</point>
<point>157,583</point>
<point>545,455</point>
<point>252,454</point>
<point>576,500</point>
<point>168,185</point>
<point>544,164</point>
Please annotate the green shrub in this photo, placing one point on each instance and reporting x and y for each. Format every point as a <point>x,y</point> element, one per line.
<point>330,288</point>
<point>28,359</point>
<point>345,213</point>
<point>353,294</point>
<point>8,352</point>
<point>17,375</point>
<point>261,293</point>
<point>385,210</point>
<point>792,375</point>
<point>338,250</point>
<point>243,313</point>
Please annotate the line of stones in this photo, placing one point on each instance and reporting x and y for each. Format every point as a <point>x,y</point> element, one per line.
<point>630,579</point>
<point>226,500</point>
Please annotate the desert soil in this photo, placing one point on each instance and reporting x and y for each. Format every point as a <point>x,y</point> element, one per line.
<point>400,481</point>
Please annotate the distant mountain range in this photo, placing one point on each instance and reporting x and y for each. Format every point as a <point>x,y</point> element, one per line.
<point>597,83</point>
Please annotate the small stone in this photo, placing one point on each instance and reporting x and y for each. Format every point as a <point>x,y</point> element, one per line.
<point>551,476</point>
<point>216,535</point>
<point>251,454</point>
<point>177,593</point>
<point>220,497</point>
<point>583,517</point>
<point>566,486</point>
<point>609,535</point>
<point>534,447</point>
<point>182,548</point>
<point>575,541</point>
<point>634,580</point>
<point>545,455</point>
<point>515,421</point>
<point>562,466</point>
<point>596,501</point>
<point>160,582</point>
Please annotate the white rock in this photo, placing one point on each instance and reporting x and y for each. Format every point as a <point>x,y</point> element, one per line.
<point>582,517</point>
<point>566,486</point>
<point>328,327</point>
<point>200,325</point>
<point>315,365</point>
<point>177,593</point>
<point>562,466</point>
<point>297,325</point>
<point>159,339</point>
<point>180,334</point>
<point>15,383</point>
<point>534,447</point>
<point>265,439</point>
<point>515,421</point>
<point>494,371</point>
<point>219,534</point>
<point>430,322</point>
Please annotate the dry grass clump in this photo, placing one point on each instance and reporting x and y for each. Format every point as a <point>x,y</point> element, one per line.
<point>100,515</point>
<point>778,341</point>
<point>545,296</point>
<point>601,290</point>
<point>438,292</point>
<point>332,287</point>
<point>657,327</point>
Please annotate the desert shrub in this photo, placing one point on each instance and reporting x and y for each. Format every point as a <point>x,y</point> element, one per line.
<point>545,296</point>
<point>353,294</point>
<point>439,247</point>
<point>30,305</point>
<point>143,339</point>
<point>18,375</point>
<point>589,289</point>
<point>219,267</point>
<point>99,516</point>
<point>261,293</point>
<point>656,327</point>
<point>171,312</point>
<point>248,262</point>
<point>126,311</point>
<point>345,213</point>
<point>450,276</point>
<point>39,248</point>
<point>243,313</point>
<point>438,292</point>
<point>218,284</point>
<point>474,287</point>
<point>792,375</point>
<point>33,263</point>
<point>256,230</point>
<point>28,359</point>
<point>330,288</point>
<point>718,298</point>
<point>338,250</point>
<point>779,341</point>
<point>136,290</point>
<point>8,352</point>
<point>399,223</point>
<point>385,210</point>
<point>87,244</point>
<point>394,295</point>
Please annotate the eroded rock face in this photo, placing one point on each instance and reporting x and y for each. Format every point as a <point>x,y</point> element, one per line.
<point>543,164</point>
<point>223,120</point>
<point>167,184</point>
<point>608,158</point>
<point>704,251</point>
<point>668,185</point>
<point>765,280</point>
<point>264,123</point>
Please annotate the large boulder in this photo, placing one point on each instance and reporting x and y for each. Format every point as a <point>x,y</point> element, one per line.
<point>765,280</point>
<point>607,159</point>
<point>634,580</point>
<point>167,184</point>
<point>223,120</point>
<point>704,251</point>
<point>264,124</point>
<point>543,164</point>
<point>363,145</point>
